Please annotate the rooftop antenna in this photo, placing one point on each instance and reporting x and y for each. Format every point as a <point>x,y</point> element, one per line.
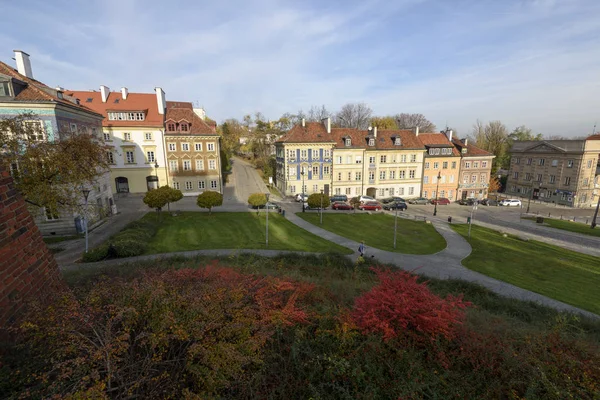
<point>593,133</point>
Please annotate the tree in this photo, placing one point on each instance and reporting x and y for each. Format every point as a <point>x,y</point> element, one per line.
<point>411,121</point>
<point>209,199</point>
<point>314,200</point>
<point>523,133</point>
<point>493,137</point>
<point>156,198</point>
<point>387,122</point>
<point>257,200</point>
<point>50,173</point>
<point>173,195</point>
<point>495,185</point>
<point>354,115</point>
<point>317,114</point>
<point>231,131</point>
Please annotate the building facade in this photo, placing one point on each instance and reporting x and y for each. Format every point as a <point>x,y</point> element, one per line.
<point>442,159</point>
<point>54,113</point>
<point>556,171</point>
<point>193,151</point>
<point>133,127</point>
<point>475,170</point>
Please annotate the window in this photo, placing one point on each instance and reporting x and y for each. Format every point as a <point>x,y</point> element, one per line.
<point>183,127</point>
<point>201,185</point>
<point>381,174</point>
<point>326,170</point>
<point>482,178</point>
<point>465,178</point>
<point>451,178</point>
<point>110,157</point>
<point>484,164</point>
<point>348,142</point>
<point>473,178</point>
<point>349,176</point>
<point>326,153</point>
<point>371,142</point>
<point>413,158</point>
<point>567,180</point>
<point>382,192</point>
<point>586,181</point>
<point>467,164</point>
<point>475,164</point>
<point>425,179</point>
<point>212,164</point>
<point>315,188</point>
<point>442,193</point>
<point>392,174</point>
<point>436,165</point>
<point>348,159</point>
<point>4,89</point>
<point>188,185</point>
<point>402,175</point>
<point>126,116</point>
<point>515,175</point>
<point>51,215</point>
<point>433,194</point>
<point>358,159</point>
<point>338,191</point>
<point>358,176</point>
<point>187,165</point>
<point>528,176</point>
<point>73,128</point>
<point>198,146</point>
<point>516,160</point>
<point>589,164</point>
<point>529,161</point>
<point>403,158</point>
<point>445,165</point>
<point>106,136</point>
<point>129,157</point>
<point>552,179</point>
<point>172,146</point>
<point>391,191</point>
<point>213,184</point>
<point>401,191</point>
<point>127,136</point>
<point>210,146</point>
<point>554,163</point>
<point>185,147</point>
<point>397,141</point>
<point>348,191</point>
<point>339,176</point>
<point>150,156</point>
<point>338,160</point>
<point>453,164</point>
<point>372,160</point>
<point>411,191</point>
<point>371,175</point>
<point>200,165</point>
<point>315,153</point>
<point>176,185</point>
<point>293,189</point>
<point>171,127</point>
<point>425,193</point>
<point>303,153</point>
<point>570,164</point>
<point>539,177</point>
<point>426,165</point>
<point>173,165</point>
<point>450,194</point>
<point>315,171</point>
<point>148,136</point>
<point>357,190</point>
<point>541,161</point>
<point>382,159</point>
<point>443,178</point>
<point>411,174</point>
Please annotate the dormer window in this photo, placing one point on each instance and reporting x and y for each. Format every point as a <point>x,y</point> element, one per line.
<point>184,127</point>
<point>371,142</point>
<point>348,142</point>
<point>464,150</point>
<point>4,89</point>
<point>397,141</point>
<point>171,127</point>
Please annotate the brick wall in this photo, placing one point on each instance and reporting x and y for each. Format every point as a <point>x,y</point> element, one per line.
<point>28,270</point>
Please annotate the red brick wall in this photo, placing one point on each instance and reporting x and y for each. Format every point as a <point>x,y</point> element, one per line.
<point>28,270</point>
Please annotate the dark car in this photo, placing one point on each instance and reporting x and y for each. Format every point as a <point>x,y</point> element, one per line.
<point>468,202</point>
<point>270,205</point>
<point>370,206</point>
<point>393,199</point>
<point>340,205</point>
<point>396,205</point>
<point>441,201</point>
<point>339,197</point>
<point>418,200</point>
<point>489,202</point>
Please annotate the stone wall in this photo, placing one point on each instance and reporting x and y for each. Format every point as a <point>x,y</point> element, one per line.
<point>28,270</point>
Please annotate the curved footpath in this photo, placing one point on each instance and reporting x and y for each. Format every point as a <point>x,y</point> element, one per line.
<point>445,264</point>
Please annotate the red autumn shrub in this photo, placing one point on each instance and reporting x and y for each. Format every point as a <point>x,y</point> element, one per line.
<point>399,304</point>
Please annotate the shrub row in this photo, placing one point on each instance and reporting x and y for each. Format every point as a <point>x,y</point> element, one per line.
<point>130,242</point>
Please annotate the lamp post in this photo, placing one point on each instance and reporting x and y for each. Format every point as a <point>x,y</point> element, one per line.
<point>395,226</point>
<point>593,225</point>
<point>530,196</point>
<point>156,173</point>
<point>267,205</point>
<point>302,173</point>
<point>437,190</point>
<point>86,193</point>
<point>321,206</point>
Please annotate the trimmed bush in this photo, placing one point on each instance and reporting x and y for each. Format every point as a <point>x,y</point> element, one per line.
<point>100,253</point>
<point>129,248</point>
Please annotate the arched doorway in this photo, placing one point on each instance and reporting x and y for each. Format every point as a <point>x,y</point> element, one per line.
<point>152,182</point>
<point>371,192</point>
<point>122,184</point>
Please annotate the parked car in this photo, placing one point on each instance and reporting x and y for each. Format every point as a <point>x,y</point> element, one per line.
<point>418,200</point>
<point>396,205</point>
<point>270,205</point>
<point>489,202</point>
<point>440,201</point>
<point>370,206</point>
<point>339,197</point>
<point>301,197</point>
<point>393,199</point>
<point>364,199</point>
<point>468,202</point>
<point>340,205</point>
<point>307,207</point>
<point>511,203</point>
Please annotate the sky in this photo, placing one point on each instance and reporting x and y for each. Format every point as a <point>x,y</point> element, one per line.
<point>523,62</point>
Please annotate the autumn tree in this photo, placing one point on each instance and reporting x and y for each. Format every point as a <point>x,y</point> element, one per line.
<point>523,133</point>
<point>493,137</point>
<point>157,199</point>
<point>495,185</point>
<point>50,173</point>
<point>316,200</point>
<point>209,199</point>
<point>257,200</point>
<point>354,115</point>
<point>173,195</point>
<point>411,121</point>
<point>387,122</point>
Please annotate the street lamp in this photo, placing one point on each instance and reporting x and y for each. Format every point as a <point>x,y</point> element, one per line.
<point>267,204</point>
<point>593,225</point>
<point>86,193</point>
<point>395,226</point>
<point>321,206</point>
<point>156,173</point>
<point>530,196</point>
<point>302,173</point>
<point>437,191</point>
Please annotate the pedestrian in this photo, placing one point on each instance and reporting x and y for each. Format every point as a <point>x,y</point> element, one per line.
<point>361,248</point>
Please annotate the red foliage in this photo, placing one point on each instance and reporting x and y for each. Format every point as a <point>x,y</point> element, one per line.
<point>399,304</point>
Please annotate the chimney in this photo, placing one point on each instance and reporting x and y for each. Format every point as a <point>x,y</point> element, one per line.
<point>303,122</point>
<point>124,93</point>
<point>104,91</point>
<point>449,134</point>
<point>160,100</point>
<point>375,132</point>
<point>60,88</point>
<point>327,123</point>
<point>416,129</point>
<point>23,63</point>
<point>466,141</point>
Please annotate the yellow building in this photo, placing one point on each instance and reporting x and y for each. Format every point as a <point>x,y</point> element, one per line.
<point>441,159</point>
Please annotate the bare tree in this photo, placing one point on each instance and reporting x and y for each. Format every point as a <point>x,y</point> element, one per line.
<point>354,115</point>
<point>410,121</point>
<point>317,114</point>
<point>478,135</point>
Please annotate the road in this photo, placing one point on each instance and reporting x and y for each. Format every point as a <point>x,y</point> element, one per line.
<point>245,180</point>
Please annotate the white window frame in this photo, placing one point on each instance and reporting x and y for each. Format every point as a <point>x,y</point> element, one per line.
<point>148,136</point>
<point>214,184</point>
<point>200,164</point>
<point>185,146</point>
<point>198,146</point>
<point>201,185</point>
<point>189,185</point>
<point>110,157</point>
<point>172,146</point>
<point>127,152</point>
<point>173,165</point>
<point>187,165</point>
<point>150,158</point>
<point>212,164</point>
<point>210,146</point>
<point>127,136</point>
<point>107,137</point>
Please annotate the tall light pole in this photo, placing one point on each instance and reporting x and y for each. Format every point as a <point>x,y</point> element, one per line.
<point>395,226</point>
<point>471,219</point>
<point>302,173</point>
<point>593,225</point>
<point>437,191</point>
<point>321,206</point>
<point>267,205</point>
<point>156,173</point>
<point>86,193</point>
<point>530,196</point>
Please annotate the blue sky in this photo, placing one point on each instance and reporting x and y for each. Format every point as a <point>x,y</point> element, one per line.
<point>524,62</point>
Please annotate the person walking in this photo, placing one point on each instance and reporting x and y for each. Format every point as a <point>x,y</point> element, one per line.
<point>361,248</point>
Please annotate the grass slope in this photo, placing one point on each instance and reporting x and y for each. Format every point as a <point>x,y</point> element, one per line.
<point>576,227</point>
<point>377,230</point>
<point>561,274</point>
<point>243,230</point>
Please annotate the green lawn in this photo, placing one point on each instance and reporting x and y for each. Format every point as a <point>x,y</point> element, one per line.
<point>241,230</point>
<point>58,239</point>
<point>561,274</point>
<point>377,230</point>
<point>576,227</point>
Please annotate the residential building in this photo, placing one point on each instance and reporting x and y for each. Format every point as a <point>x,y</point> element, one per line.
<point>133,127</point>
<point>556,171</point>
<point>475,170</point>
<point>349,161</point>
<point>56,114</point>
<point>193,151</point>
<point>442,159</point>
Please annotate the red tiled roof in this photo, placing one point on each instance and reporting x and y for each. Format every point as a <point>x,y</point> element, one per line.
<point>37,91</point>
<point>145,102</point>
<point>437,140</point>
<point>472,150</point>
<point>184,111</point>
<point>593,137</point>
<point>313,132</point>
